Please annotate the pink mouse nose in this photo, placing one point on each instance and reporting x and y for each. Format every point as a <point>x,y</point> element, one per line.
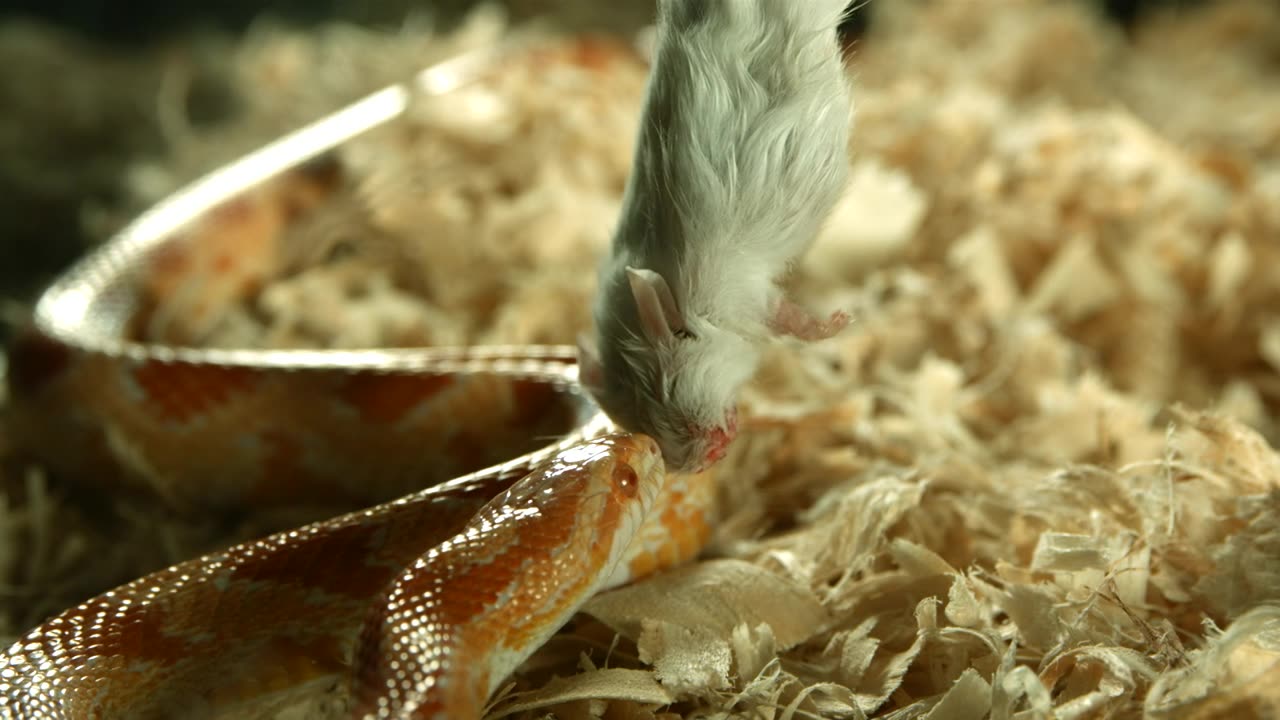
<point>719,439</point>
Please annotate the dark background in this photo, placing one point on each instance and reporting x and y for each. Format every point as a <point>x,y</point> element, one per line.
<point>144,21</point>
<point>77,89</point>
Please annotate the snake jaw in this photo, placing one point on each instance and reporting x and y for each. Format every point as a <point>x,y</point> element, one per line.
<point>512,576</point>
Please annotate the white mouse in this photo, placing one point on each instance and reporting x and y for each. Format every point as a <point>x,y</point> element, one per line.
<point>740,157</point>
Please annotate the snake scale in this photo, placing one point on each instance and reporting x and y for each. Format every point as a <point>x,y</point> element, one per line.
<point>414,608</point>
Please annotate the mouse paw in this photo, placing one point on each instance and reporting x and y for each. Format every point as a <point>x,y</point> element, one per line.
<point>791,319</point>
<point>837,321</point>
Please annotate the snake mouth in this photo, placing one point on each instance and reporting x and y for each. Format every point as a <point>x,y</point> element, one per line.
<point>635,449</point>
<point>642,454</point>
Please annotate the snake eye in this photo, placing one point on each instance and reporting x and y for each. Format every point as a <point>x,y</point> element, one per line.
<point>625,479</point>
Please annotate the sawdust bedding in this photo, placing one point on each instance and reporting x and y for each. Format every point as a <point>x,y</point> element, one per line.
<point>1036,477</point>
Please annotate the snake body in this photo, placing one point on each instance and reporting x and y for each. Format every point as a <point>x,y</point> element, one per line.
<point>453,586</point>
<point>416,607</point>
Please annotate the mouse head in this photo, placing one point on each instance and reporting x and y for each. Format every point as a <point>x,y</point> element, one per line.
<point>666,373</point>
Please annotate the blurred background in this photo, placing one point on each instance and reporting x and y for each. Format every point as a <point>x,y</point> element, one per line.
<point>1061,220</point>
<point>79,81</point>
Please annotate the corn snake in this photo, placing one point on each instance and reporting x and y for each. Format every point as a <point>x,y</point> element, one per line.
<point>416,607</point>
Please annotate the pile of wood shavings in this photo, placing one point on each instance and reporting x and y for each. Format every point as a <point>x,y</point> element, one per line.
<point>1034,477</point>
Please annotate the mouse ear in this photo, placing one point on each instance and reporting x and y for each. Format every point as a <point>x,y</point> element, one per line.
<point>590,369</point>
<point>660,317</point>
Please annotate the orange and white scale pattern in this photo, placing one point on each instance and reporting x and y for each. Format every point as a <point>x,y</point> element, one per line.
<point>414,607</point>
<point>209,437</point>
<point>453,587</point>
<point>463,617</point>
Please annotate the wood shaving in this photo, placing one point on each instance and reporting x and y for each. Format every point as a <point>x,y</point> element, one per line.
<point>1038,475</point>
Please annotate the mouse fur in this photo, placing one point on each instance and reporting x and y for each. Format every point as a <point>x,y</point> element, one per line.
<point>740,157</point>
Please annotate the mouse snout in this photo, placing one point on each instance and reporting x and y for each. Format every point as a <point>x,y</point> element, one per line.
<point>718,439</point>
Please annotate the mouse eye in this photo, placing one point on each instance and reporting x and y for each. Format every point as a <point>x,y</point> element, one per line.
<point>684,334</point>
